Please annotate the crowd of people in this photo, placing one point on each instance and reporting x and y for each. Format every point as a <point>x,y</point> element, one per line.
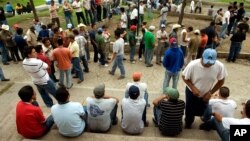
<point>190,53</point>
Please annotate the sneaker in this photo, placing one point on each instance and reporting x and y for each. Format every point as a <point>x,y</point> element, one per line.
<point>205,127</point>
<point>79,81</point>
<point>106,65</point>
<point>5,79</point>
<point>153,119</point>
<point>140,59</point>
<point>146,124</point>
<point>6,63</point>
<point>158,63</point>
<point>70,86</point>
<point>110,72</point>
<point>150,65</point>
<point>132,62</point>
<point>121,77</point>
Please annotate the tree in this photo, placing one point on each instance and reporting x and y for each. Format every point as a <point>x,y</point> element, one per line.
<point>34,10</point>
<point>184,3</point>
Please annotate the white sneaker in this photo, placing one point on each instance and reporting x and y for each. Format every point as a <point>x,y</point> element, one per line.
<point>140,59</point>
<point>106,65</point>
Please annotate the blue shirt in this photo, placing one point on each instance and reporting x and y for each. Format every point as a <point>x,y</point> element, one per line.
<point>173,59</point>
<point>9,8</point>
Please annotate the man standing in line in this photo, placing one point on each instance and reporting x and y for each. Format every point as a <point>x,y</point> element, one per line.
<point>203,77</point>
<point>77,5</point>
<point>37,69</point>
<point>149,46</point>
<point>162,37</point>
<point>117,58</point>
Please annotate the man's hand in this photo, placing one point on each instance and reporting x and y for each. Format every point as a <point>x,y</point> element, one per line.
<point>207,96</point>
<point>195,91</point>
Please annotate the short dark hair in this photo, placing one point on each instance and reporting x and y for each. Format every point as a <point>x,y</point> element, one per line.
<point>19,31</point>
<point>62,94</point>
<point>122,9</point>
<point>230,7</point>
<point>75,32</point>
<point>224,92</point>
<point>190,28</point>
<point>26,93</point>
<point>92,25</point>
<point>38,48</point>
<point>117,33</point>
<point>203,31</point>
<point>45,40</point>
<point>27,50</point>
<point>247,107</point>
<point>212,23</point>
<point>60,41</point>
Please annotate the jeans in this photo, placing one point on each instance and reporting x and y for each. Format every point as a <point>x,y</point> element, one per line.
<point>48,123</point>
<point>234,51</point>
<point>102,56</point>
<point>223,30</point>
<point>80,15</point>
<point>113,114</point>
<point>45,89</point>
<point>68,77</point>
<point>148,55</point>
<point>95,16</point>
<point>1,74</point>
<point>14,53</point>
<point>4,22</point>
<point>132,53</point>
<point>149,13</point>
<point>221,130</point>
<point>195,106</point>
<point>168,76</point>
<point>141,18</point>
<point>84,63</point>
<point>89,17</point>
<point>207,113</point>
<point>199,52</point>
<point>141,49</point>
<point>5,54</point>
<point>163,22</point>
<point>184,50</point>
<point>118,62</point>
<point>95,52</point>
<point>68,18</point>
<point>157,114</point>
<point>77,68</point>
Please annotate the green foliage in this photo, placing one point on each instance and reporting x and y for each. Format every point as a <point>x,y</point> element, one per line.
<point>14,2</point>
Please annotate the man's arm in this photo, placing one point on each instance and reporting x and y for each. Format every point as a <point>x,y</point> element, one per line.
<point>217,86</point>
<point>108,97</point>
<point>217,116</point>
<point>194,90</point>
<point>157,100</point>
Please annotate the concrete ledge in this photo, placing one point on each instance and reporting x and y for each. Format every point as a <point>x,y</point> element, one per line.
<point>191,16</point>
<point>241,55</point>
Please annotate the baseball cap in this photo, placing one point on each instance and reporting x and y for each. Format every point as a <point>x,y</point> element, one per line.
<point>136,76</point>
<point>163,26</point>
<point>151,27</point>
<point>133,27</point>
<point>209,56</point>
<point>133,92</point>
<point>99,90</point>
<point>100,30</point>
<point>172,93</point>
<point>197,31</point>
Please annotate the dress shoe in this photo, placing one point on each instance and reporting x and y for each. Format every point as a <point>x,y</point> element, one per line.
<point>5,79</point>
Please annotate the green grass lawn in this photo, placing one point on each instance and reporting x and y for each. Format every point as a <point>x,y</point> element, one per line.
<point>227,1</point>
<point>14,2</point>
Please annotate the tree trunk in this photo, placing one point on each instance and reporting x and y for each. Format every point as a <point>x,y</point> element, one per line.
<point>184,3</point>
<point>34,10</point>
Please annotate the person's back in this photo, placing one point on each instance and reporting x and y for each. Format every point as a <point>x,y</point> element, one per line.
<point>171,117</point>
<point>149,40</point>
<point>29,119</point>
<point>67,118</point>
<point>132,112</point>
<point>63,57</point>
<point>99,113</point>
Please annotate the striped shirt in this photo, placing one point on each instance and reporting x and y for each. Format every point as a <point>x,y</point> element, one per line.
<point>171,117</point>
<point>37,69</point>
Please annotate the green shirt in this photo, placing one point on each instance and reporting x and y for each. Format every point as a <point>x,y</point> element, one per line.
<point>131,38</point>
<point>149,39</point>
<point>99,39</point>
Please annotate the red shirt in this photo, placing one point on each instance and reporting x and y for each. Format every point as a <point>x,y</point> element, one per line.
<point>29,120</point>
<point>46,60</point>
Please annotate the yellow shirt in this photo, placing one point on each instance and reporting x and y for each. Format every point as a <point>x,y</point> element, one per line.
<point>74,48</point>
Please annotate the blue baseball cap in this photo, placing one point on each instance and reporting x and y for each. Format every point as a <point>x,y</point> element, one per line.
<point>209,56</point>
<point>99,30</point>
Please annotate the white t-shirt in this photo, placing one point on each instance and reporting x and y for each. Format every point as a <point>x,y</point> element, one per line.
<point>86,4</point>
<point>142,87</point>
<point>226,17</point>
<point>68,118</point>
<point>192,5</point>
<point>124,20</point>
<point>134,14</point>
<point>226,107</point>
<point>187,38</point>
<point>118,46</point>
<point>37,69</point>
<point>132,111</point>
<point>204,78</point>
<point>164,13</point>
<point>141,9</point>
<point>77,6</point>
<point>226,122</point>
<point>99,113</point>
<point>81,41</point>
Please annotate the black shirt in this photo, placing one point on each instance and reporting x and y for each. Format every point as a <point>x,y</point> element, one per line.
<point>238,37</point>
<point>2,16</point>
<point>210,31</point>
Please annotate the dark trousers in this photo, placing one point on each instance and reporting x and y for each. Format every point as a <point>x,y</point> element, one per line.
<point>14,53</point>
<point>104,12</point>
<point>196,8</point>
<point>52,74</point>
<point>200,51</point>
<point>141,50</point>
<point>99,13</point>
<point>102,56</point>
<point>80,15</point>
<point>84,63</point>
<point>89,17</point>
<point>57,21</point>
<point>95,52</point>
<point>195,106</point>
<point>184,50</point>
